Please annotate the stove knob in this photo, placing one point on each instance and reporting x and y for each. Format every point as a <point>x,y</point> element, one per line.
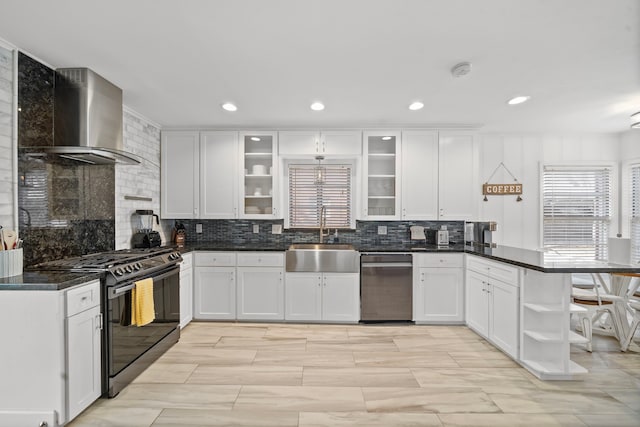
<point>128,269</point>
<point>137,266</point>
<point>119,271</point>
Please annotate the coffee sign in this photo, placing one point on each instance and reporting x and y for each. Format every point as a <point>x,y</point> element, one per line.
<point>501,189</point>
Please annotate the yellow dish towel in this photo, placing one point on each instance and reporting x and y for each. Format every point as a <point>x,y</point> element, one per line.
<point>142,307</point>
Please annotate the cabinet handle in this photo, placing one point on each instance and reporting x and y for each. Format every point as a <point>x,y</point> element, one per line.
<point>422,277</point>
<point>323,146</point>
<point>99,322</point>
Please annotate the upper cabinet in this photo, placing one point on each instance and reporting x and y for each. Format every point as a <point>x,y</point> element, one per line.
<point>438,170</point>
<point>381,180</point>
<point>180,175</point>
<point>199,175</point>
<point>328,143</point>
<point>458,191</point>
<point>419,175</point>
<point>259,172</point>
<point>218,175</point>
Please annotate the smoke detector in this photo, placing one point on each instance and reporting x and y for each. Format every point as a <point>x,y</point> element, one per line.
<point>461,69</point>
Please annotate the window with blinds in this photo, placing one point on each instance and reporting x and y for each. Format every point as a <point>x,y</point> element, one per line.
<point>576,211</point>
<point>313,186</point>
<point>635,213</point>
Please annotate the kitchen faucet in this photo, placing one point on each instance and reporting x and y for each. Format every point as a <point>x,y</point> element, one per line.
<point>323,221</point>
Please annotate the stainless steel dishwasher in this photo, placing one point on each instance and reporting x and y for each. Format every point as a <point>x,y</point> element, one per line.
<point>386,287</point>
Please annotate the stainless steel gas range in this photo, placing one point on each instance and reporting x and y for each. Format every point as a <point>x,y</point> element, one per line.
<point>127,350</point>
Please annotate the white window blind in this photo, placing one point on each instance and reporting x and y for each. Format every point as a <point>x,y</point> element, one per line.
<point>576,211</point>
<point>635,213</point>
<point>311,187</point>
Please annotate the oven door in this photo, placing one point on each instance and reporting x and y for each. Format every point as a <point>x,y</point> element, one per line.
<point>126,343</point>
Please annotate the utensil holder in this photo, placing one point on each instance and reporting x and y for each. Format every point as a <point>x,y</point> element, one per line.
<point>11,262</point>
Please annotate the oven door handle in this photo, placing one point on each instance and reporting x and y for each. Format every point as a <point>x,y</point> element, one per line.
<point>115,292</point>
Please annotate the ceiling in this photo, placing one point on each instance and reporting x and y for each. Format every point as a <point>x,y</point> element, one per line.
<point>367,60</point>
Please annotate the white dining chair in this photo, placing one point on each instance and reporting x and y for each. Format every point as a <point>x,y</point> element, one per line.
<point>590,292</point>
<point>635,306</point>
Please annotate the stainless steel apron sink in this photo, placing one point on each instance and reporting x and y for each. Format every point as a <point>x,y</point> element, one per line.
<point>322,258</point>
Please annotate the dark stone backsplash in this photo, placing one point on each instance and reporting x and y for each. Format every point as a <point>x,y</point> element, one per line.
<point>35,103</point>
<point>66,208</point>
<point>366,233</point>
<point>76,238</point>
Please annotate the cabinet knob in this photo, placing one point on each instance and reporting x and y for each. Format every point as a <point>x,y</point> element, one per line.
<point>43,424</point>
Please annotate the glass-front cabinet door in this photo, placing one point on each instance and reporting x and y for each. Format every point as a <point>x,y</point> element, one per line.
<point>258,175</point>
<point>381,181</point>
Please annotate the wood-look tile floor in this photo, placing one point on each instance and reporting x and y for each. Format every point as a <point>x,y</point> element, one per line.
<point>240,374</point>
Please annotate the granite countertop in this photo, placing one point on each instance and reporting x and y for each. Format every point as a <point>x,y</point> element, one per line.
<point>281,247</point>
<point>46,280</point>
<point>548,262</point>
<point>535,260</point>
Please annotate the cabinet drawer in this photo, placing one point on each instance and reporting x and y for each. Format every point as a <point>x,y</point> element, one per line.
<point>83,297</point>
<point>437,260</point>
<point>215,259</point>
<point>260,259</point>
<point>494,270</point>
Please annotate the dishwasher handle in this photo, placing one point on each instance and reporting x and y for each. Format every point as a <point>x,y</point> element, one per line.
<point>387,265</point>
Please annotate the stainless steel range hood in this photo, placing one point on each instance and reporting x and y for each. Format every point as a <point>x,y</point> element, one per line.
<point>88,119</point>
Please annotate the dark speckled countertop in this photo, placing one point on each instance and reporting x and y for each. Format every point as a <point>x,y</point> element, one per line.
<point>45,281</point>
<point>526,258</point>
<point>281,247</point>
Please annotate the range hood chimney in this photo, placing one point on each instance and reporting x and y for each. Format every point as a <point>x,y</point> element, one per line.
<point>88,119</point>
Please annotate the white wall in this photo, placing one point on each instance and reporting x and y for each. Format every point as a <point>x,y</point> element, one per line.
<point>522,154</point>
<point>142,138</point>
<point>8,182</point>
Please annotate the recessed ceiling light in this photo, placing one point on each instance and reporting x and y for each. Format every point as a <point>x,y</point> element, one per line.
<point>255,138</point>
<point>229,106</point>
<point>518,100</point>
<point>635,120</point>
<point>317,106</point>
<point>386,138</point>
<point>416,106</point>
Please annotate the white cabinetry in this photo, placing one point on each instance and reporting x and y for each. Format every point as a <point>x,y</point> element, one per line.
<point>546,337</point>
<point>215,285</point>
<point>258,183</point>
<point>198,175</point>
<point>438,288</point>
<point>458,193</point>
<point>179,175</point>
<point>260,293</point>
<point>493,302</point>
<point>328,297</point>
<point>419,175</point>
<point>218,172</point>
<point>84,368</point>
<point>381,182</point>
<point>51,364</point>
<point>339,143</point>
<point>186,289</point>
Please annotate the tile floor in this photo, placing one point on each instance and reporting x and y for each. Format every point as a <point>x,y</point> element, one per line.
<point>239,374</point>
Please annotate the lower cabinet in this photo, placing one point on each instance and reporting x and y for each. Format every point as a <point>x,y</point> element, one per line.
<point>492,308</point>
<point>242,285</point>
<point>329,297</point>
<point>51,364</point>
<point>438,288</point>
<point>215,293</point>
<point>83,360</point>
<point>186,290</point>
<point>260,293</point>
